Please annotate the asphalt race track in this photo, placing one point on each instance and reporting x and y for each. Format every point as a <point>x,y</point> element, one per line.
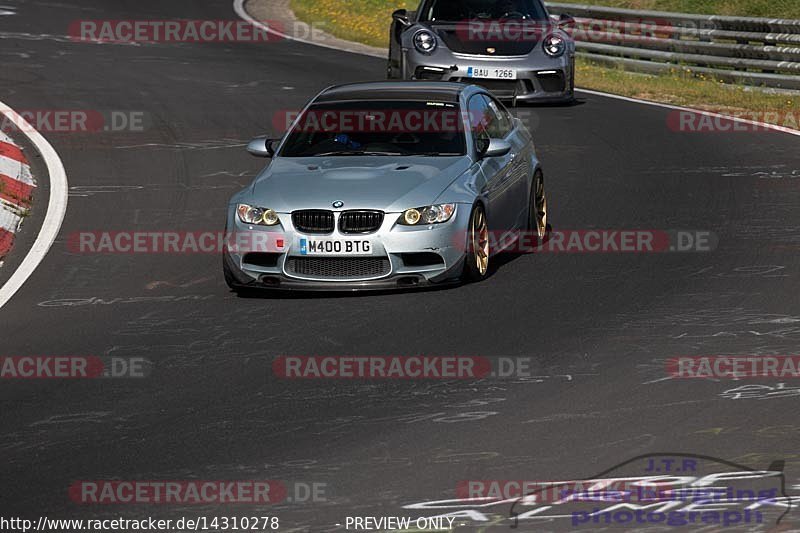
<point>598,326</point>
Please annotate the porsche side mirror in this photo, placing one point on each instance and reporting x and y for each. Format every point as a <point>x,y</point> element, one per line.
<point>401,16</point>
<point>497,148</point>
<point>261,147</point>
<point>566,21</point>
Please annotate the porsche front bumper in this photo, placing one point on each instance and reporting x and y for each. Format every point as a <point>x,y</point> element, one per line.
<point>539,77</point>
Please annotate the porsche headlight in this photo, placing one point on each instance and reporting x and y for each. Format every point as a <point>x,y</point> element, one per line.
<point>432,214</point>
<point>257,215</point>
<point>554,46</point>
<point>425,42</point>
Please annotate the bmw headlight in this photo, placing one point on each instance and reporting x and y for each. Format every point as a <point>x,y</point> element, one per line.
<point>425,42</point>
<point>257,215</point>
<point>431,214</point>
<point>554,46</point>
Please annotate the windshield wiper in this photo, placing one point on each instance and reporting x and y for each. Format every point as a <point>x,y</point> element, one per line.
<point>437,154</point>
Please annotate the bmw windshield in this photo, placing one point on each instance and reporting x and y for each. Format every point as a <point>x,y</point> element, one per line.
<point>377,128</point>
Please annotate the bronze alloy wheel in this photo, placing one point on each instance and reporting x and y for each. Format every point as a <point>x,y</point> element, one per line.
<point>539,207</point>
<point>477,259</point>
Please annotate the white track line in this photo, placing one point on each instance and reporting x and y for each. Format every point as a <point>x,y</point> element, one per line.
<point>56,207</point>
<point>238,7</point>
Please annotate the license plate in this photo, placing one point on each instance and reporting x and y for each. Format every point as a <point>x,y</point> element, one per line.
<point>492,73</point>
<point>335,247</point>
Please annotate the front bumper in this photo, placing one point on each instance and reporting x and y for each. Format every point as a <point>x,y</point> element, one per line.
<point>406,257</point>
<point>393,282</point>
<point>539,77</point>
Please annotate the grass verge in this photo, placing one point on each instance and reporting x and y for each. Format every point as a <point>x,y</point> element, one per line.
<point>679,88</point>
<point>363,21</point>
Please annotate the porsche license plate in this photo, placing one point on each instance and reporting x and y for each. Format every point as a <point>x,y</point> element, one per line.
<point>335,247</point>
<point>492,73</point>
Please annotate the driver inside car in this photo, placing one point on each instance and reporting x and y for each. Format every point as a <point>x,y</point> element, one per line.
<point>507,9</point>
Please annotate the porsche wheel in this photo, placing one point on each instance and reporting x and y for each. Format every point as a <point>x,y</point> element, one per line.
<point>571,97</point>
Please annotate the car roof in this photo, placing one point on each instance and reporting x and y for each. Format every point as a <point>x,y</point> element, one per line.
<point>394,90</point>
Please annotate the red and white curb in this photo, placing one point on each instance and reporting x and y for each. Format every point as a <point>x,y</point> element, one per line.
<point>21,183</point>
<point>16,191</point>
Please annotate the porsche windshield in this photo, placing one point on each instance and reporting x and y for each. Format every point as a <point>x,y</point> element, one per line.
<point>377,128</point>
<point>460,10</point>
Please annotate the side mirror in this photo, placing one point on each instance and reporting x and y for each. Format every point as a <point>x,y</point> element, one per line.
<point>566,21</point>
<point>261,147</point>
<point>401,16</point>
<point>497,148</point>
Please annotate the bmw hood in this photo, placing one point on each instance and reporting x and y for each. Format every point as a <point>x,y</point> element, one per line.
<point>359,182</point>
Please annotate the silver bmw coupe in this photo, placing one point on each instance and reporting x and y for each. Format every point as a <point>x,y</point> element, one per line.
<point>511,47</point>
<point>386,185</point>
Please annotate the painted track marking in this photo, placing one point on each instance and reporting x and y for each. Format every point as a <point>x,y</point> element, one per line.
<point>56,206</point>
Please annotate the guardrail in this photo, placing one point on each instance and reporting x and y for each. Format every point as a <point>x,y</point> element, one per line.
<point>746,50</point>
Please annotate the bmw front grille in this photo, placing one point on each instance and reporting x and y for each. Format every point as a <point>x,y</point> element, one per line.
<point>313,221</point>
<point>321,222</point>
<point>360,221</point>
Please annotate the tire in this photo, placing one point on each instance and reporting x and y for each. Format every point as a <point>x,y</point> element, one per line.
<point>389,70</point>
<point>571,96</point>
<point>476,259</point>
<point>537,209</point>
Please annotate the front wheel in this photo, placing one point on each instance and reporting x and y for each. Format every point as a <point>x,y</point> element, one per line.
<point>390,70</point>
<point>476,262</point>
<point>538,206</point>
<point>394,69</point>
<point>571,96</point>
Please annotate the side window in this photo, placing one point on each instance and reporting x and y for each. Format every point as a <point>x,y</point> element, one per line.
<point>426,10</point>
<point>501,123</point>
<point>446,11</point>
<point>480,118</point>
